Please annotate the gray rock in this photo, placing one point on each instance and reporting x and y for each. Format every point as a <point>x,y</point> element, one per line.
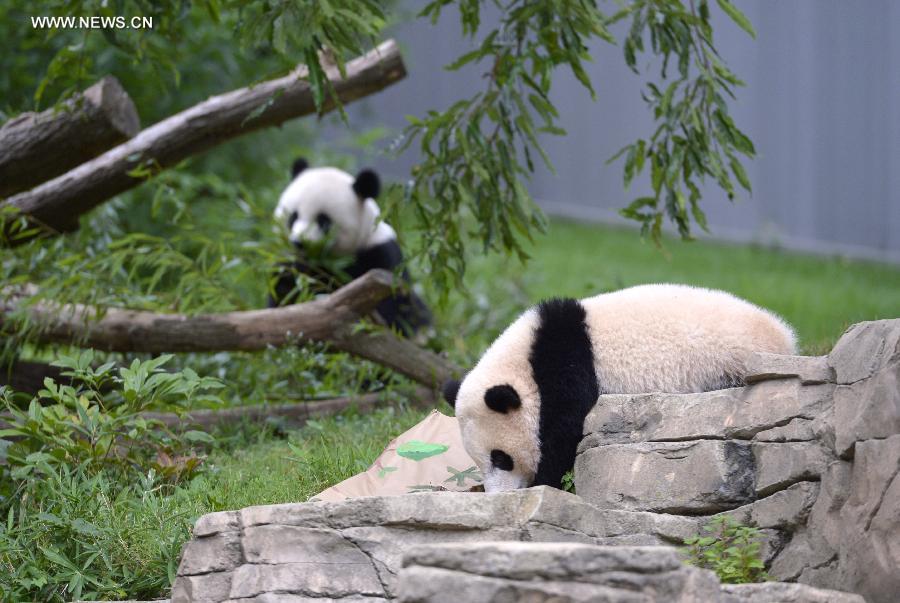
<point>551,571</point>
<point>217,553</point>
<point>207,588</point>
<point>865,348</point>
<point>319,579</point>
<point>292,544</point>
<point>702,476</point>
<point>809,369</point>
<point>867,409</point>
<point>800,430</point>
<point>783,592</point>
<point>870,521</point>
<point>738,413</point>
<point>213,523</point>
<point>312,549</point>
<point>289,598</point>
<point>778,465</point>
<point>783,510</point>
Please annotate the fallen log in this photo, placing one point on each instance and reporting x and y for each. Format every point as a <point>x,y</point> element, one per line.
<point>28,377</point>
<point>54,207</point>
<point>332,319</point>
<point>293,414</point>
<point>35,147</point>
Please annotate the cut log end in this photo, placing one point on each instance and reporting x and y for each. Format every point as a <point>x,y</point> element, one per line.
<point>112,100</point>
<point>35,147</point>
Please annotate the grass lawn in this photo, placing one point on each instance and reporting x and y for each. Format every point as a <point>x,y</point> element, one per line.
<point>298,465</point>
<point>819,296</point>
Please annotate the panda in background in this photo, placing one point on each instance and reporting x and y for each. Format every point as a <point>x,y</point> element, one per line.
<point>327,206</point>
<point>521,410</point>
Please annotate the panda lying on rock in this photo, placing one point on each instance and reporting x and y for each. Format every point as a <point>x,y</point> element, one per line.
<point>328,206</point>
<point>521,410</point>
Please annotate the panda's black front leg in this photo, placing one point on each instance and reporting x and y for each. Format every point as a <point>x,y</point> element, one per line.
<point>286,291</point>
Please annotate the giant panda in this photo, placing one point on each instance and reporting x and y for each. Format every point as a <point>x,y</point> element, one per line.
<point>521,410</point>
<point>326,206</point>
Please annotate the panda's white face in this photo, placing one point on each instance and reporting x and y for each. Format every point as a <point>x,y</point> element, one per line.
<point>498,409</point>
<point>321,205</point>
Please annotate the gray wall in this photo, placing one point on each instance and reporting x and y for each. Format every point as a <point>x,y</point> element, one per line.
<point>822,104</point>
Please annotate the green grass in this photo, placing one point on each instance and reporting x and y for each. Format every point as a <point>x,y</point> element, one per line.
<point>819,296</point>
<point>266,470</point>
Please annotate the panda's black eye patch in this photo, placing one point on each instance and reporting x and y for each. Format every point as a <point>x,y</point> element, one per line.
<point>502,398</point>
<point>324,223</point>
<point>501,460</point>
<point>291,219</point>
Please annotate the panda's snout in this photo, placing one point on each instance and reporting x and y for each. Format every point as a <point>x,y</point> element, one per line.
<point>497,480</point>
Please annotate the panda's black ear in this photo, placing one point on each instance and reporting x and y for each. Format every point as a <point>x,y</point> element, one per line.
<point>450,389</point>
<point>300,164</point>
<point>502,398</point>
<point>367,184</point>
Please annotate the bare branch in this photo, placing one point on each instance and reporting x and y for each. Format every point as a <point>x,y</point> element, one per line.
<point>294,414</point>
<point>330,319</point>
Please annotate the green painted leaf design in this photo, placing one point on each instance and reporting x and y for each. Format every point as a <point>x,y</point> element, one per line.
<point>417,451</point>
<point>460,477</point>
<point>384,471</point>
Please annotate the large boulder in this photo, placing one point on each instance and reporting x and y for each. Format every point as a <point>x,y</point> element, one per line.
<point>567,572</point>
<point>809,452</point>
<point>516,571</point>
<point>354,548</point>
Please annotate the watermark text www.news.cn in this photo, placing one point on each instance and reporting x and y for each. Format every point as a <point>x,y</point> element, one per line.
<point>95,22</point>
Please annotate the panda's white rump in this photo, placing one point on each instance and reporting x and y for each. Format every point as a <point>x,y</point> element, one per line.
<point>677,338</point>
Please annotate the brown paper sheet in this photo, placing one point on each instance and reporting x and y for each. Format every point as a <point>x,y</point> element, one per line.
<point>430,456</point>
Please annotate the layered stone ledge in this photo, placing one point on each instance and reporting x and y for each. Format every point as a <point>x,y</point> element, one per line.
<point>809,451</point>
<point>564,572</point>
<point>354,549</point>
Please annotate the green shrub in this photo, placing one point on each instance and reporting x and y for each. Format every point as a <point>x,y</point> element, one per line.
<point>85,478</point>
<point>96,422</point>
<point>729,549</point>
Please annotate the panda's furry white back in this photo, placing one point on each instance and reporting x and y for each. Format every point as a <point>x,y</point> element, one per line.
<point>677,338</point>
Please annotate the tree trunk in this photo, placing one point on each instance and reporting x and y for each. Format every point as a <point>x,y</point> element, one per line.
<point>331,319</point>
<point>35,147</point>
<point>55,206</point>
<point>28,377</point>
<point>294,414</point>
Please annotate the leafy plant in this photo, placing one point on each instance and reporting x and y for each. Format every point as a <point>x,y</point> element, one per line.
<point>695,137</point>
<point>83,478</point>
<point>568,481</point>
<point>95,423</point>
<point>77,535</point>
<point>729,549</point>
<point>478,153</point>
